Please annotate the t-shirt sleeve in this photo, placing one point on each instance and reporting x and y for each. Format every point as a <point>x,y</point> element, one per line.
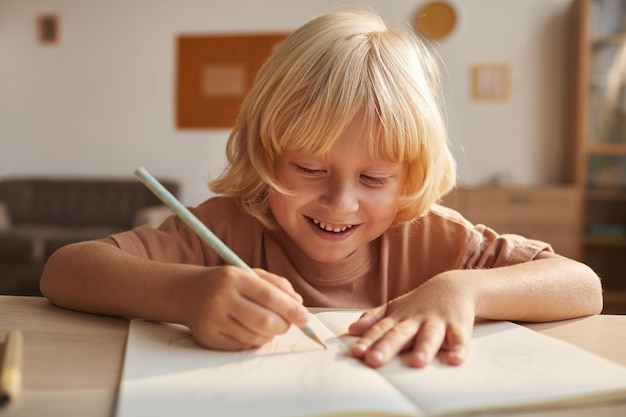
<point>476,246</point>
<point>173,242</point>
<point>494,250</point>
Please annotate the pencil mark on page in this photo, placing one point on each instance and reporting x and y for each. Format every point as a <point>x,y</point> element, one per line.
<point>183,336</point>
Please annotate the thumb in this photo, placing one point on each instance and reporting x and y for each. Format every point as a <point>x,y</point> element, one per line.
<point>367,320</point>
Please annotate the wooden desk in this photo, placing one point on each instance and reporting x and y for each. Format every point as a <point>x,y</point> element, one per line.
<point>73,361</point>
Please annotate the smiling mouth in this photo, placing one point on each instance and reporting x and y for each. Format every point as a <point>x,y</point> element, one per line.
<point>330,227</point>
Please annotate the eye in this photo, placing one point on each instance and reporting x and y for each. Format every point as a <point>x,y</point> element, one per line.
<point>310,171</point>
<point>374,180</point>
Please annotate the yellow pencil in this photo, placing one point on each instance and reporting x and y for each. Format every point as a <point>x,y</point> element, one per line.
<point>11,376</point>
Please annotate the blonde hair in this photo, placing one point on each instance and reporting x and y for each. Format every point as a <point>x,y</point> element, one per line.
<point>335,67</point>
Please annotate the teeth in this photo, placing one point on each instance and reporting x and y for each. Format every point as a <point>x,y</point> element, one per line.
<point>330,228</point>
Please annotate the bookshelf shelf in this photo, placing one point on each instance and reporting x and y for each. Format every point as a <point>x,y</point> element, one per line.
<point>606,148</point>
<point>605,241</point>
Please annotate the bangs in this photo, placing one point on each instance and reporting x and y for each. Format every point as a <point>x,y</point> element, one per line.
<point>311,117</point>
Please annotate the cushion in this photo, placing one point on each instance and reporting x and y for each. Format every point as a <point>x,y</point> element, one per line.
<point>34,244</point>
<point>5,219</point>
<point>77,202</point>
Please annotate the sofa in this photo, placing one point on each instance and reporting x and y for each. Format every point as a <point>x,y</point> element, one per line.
<point>40,215</point>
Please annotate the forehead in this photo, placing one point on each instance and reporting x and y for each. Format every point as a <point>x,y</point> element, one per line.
<point>357,140</point>
<point>362,135</point>
<point>348,152</point>
<point>368,137</point>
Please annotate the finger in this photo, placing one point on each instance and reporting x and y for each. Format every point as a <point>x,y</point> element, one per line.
<point>227,343</point>
<point>428,342</point>
<point>232,336</point>
<point>236,339</point>
<point>367,320</point>
<point>269,298</point>
<point>248,338</point>
<point>457,342</point>
<point>397,339</point>
<point>281,282</point>
<point>371,336</point>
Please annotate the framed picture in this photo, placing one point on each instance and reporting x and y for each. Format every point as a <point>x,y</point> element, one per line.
<point>491,81</point>
<point>214,74</point>
<point>48,28</point>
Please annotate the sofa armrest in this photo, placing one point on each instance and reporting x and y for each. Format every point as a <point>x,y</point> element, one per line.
<point>5,218</point>
<point>152,215</point>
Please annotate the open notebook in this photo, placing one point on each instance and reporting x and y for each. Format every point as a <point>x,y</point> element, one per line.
<point>509,367</point>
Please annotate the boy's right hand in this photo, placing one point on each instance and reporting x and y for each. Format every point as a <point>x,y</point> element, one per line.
<point>228,308</point>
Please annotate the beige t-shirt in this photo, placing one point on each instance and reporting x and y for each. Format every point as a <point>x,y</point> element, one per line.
<point>398,261</point>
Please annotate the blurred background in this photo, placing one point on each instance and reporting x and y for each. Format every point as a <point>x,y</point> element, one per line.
<point>91,89</point>
<point>101,100</point>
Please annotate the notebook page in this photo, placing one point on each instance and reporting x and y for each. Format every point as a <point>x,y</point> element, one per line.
<point>510,367</point>
<point>166,373</point>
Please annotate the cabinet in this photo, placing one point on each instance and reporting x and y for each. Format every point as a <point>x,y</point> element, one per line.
<point>547,213</point>
<point>600,142</point>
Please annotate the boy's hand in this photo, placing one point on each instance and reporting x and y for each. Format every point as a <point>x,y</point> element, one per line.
<point>231,309</point>
<point>435,319</point>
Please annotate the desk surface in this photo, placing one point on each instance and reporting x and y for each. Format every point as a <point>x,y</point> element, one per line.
<point>73,361</point>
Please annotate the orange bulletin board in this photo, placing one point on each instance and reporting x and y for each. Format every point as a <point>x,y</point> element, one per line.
<point>214,73</point>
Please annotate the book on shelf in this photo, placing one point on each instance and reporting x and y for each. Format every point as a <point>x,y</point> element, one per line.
<point>509,367</point>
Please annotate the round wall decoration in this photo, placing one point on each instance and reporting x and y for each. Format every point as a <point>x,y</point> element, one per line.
<point>435,19</point>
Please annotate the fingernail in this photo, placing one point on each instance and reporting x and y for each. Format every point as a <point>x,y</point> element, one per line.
<point>359,347</point>
<point>377,355</point>
<point>418,359</point>
<point>455,357</point>
<point>303,317</point>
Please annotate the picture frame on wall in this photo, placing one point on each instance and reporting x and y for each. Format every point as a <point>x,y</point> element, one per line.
<point>491,81</point>
<point>48,28</point>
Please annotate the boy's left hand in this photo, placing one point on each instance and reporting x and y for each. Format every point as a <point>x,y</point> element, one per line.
<point>435,319</point>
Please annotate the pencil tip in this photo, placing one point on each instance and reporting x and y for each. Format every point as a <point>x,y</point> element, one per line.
<point>318,340</point>
<point>309,332</point>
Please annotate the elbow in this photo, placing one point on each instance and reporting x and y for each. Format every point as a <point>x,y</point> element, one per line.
<point>68,270</point>
<point>52,275</point>
<point>61,271</point>
<point>597,305</point>
<point>592,298</point>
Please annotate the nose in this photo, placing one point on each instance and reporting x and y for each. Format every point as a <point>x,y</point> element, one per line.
<point>341,197</point>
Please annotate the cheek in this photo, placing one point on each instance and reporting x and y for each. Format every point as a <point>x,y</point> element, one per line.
<point>275,202</point>
<point>288,181</point>
<point>281,205</point>
<point>386,204</point>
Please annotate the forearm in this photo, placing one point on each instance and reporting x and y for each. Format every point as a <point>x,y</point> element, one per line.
<point>97,277</point>
<point>551,288</point>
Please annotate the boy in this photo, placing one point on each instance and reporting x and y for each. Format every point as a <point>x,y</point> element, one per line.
<point>335,166</point>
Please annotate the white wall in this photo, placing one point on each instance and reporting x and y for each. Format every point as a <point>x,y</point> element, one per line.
<point>101,101</point>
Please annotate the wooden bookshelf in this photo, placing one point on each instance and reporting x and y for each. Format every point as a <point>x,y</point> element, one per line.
<point>599,141</point>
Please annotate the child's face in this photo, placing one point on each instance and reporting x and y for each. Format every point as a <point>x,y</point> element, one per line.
<point>338,203</point>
